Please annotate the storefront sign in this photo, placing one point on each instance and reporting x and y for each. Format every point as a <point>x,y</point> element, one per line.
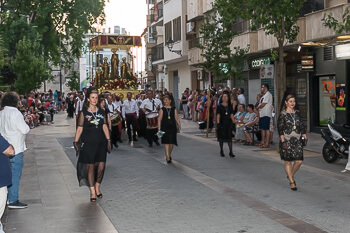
<point>342,52</point>
<point>267,71</point>
<point>327,99</point>
<point>307,63</point>
<point>257,63</point>
<point>341,97</point>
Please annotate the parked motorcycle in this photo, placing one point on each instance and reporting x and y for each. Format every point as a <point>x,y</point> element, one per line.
<point>337,144</point>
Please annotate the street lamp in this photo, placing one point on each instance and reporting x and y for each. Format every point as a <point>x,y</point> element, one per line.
<point>170,45</point>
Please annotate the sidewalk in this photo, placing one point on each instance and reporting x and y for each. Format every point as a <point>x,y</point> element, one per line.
<point>49,186</point>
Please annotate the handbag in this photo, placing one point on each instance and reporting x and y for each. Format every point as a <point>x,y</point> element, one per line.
<point>303,141</point>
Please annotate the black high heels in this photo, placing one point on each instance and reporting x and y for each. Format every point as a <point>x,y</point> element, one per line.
<point>231,155</point>
<point>222,154</point>
<point>295,188</point>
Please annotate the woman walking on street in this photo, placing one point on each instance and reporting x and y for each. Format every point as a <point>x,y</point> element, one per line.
<point>224,118</point>
<point>292,139</point>
<point>169,123</point>
<point>92,141</point>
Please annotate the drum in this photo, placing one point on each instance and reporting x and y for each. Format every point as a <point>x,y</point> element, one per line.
<point>116,119</point>
<point>152,121</point>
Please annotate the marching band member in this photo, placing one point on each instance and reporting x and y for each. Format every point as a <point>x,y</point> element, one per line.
<point>130,113</point>
<point>117,102</point>
<point>115,132</point>
<point>151,108</point>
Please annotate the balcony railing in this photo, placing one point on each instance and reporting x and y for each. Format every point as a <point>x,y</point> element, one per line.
<point>241,26</point>
<point>158,52</point>
<point>156,12</point>
<point>195,43</point>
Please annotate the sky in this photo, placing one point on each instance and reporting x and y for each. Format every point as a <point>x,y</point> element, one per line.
<point>131,15</point>
<point>128,14</point>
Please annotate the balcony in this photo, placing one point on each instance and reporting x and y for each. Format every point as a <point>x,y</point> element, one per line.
<point>194,10</point>
<point>241,26</point>
<point>156,13</point>
<point>158,52</point>
<point>311,6</point>
<point>195,43</point>
<point>245,39</point>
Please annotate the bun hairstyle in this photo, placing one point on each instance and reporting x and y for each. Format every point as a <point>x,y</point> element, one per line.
<point>87,96</point>
<point>288,97</point>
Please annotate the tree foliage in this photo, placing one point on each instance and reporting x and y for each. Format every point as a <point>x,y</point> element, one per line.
<point>30,66</point>
<point>74,81</point>
<point>338,26</point>
<point>217,37</point>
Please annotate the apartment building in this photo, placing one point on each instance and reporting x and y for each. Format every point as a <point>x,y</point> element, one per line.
<point>317,63</point>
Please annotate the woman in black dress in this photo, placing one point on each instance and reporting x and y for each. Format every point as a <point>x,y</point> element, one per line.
<point>224,119</point>
<point>291,131</point>
<point>70,110</point>
<point>169,123</point>
<point>93,133</point>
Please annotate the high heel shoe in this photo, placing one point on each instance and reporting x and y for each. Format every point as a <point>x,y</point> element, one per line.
<point>93,199</point>
<point>222,154</point>
<point>293,179</point>
<point>100,195</point>
<point>231,155</point>
<point>295,188</point>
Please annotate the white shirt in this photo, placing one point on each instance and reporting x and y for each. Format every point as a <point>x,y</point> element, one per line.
<point>130,107</point>
<point>13,128</point>
<point>79,106</point>
<point>117,105</point>
<point>151,105</point>
<point>267,109</point>
<point>110,108</point>
<point>241,99</point>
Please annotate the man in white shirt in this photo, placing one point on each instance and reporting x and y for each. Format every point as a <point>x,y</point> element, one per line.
<point>265,114</point>
<point>14,129</point>
<point>151,107</point>
<point>130,113</point>
<point>241,98</point>
<point>118,105</point>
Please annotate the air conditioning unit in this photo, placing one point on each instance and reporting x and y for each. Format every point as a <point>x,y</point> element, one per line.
<point>199,75</point>
<point>190,27</point>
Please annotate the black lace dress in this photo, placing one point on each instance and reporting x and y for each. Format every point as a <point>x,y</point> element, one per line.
<point>225,127</point>
<point>291,126</point>
<point>92,157</point>
<point>168,125</point>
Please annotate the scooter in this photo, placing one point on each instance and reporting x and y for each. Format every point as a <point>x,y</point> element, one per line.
<point>337,144</point>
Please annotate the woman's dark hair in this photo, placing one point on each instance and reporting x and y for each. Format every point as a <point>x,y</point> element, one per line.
<point>288,97</point>
<point>228,97</point>
<point>169,97</point>
<point>10,99</point>
<point>89,92</point>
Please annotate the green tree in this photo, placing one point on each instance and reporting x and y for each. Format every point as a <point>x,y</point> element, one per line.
<point>74,81</point>
<point>338,26</point>
<point>278,18</point>
<point>30,66</point>
<point>217,37</point>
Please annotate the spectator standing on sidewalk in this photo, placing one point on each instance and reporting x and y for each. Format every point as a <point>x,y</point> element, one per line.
<point>6,151</point>
<point>241,97</point>
<point>169,123</point>
<point>291,130</point>
<point>14,129</point>
<point>184,102</point>
<point>79,106</point>
<point>93,133</point>
<point>265,110</point>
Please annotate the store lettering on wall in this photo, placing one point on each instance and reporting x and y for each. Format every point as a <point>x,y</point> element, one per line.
<point>257,63</point>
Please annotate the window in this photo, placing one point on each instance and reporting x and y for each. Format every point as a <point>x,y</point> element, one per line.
<point>177,29</point>
<point>167,28</point>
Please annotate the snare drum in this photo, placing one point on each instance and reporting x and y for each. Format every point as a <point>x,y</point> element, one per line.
<point>116,119</point>
<point>152,121</point>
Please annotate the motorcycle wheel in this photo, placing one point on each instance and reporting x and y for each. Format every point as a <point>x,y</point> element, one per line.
<point>329,154</point>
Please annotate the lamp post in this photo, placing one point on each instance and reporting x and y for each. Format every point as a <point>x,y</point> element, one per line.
<point>170,45</point>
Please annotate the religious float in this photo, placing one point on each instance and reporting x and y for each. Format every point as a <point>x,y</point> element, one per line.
<point>114,76</point>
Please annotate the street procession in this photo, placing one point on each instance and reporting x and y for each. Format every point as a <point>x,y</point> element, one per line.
<point>174,116</point>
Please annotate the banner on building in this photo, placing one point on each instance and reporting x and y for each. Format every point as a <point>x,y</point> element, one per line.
<point>267,71</point>
<point>327,99</point>
<point>341,97</point>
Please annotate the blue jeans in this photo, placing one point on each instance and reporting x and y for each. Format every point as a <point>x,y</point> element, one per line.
<point>16,163</point>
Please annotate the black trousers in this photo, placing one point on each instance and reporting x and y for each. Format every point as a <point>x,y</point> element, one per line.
<point>131,120</point>
<point>115,134</point>
<point>151,135</point>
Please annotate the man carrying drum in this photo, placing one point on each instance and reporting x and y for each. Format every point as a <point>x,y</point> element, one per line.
<point>130,112</point>
<point>115,121</point>
<point>151,107</point>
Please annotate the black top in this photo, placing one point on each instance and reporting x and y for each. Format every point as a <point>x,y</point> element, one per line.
<point>168,125</point>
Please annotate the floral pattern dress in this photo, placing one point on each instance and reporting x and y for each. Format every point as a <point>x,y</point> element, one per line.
<point>292,127</point>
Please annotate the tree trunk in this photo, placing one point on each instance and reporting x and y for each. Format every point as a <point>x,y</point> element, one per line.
<point>281,80</point>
